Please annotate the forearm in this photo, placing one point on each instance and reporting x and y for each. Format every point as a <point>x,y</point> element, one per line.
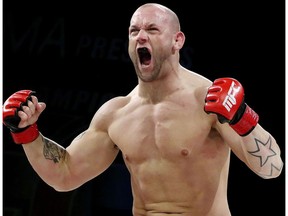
<point>262,153</point>
<point>251,143</point>
<point>48,159</point>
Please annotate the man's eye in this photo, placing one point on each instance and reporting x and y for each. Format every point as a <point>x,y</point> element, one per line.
<point>133,31</point>
<point>153,30</point>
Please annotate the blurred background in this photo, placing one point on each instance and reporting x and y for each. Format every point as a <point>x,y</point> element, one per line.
<point>74,55</point>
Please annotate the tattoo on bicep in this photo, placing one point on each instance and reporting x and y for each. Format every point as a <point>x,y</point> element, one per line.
<point>52,151</point>
<point>264,152</point>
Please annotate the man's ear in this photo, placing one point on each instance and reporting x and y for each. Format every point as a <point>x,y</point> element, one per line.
<point>179,40</point>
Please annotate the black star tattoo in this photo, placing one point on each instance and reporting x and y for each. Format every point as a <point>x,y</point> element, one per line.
<point>261,151</point>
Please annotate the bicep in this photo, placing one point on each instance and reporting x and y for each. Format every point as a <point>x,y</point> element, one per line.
<point>90,154</point>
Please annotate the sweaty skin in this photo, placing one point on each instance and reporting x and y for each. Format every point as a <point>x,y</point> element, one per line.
<point>178,155</point>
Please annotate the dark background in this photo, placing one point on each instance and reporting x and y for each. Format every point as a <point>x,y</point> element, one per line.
<point>74,54</point>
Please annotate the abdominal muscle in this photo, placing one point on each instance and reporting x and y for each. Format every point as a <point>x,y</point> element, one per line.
<point>166,187</point>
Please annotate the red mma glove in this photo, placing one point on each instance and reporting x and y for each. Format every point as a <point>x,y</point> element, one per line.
<point>226,99</point>
<point>11,119</point>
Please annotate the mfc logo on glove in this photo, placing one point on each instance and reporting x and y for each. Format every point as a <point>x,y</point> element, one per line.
<point>230,99</point>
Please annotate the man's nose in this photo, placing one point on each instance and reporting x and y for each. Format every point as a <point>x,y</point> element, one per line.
<point>142,36</point>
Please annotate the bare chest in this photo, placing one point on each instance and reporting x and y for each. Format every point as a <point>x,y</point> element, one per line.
<point>166,130</point>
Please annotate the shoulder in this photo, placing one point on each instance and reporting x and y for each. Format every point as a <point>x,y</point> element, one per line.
<point>113,105</point>
<point>107,113</point>
<point>198,86</point>
<point>197,83</point>
<point>196,79</point>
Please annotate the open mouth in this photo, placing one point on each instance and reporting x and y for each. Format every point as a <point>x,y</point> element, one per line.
<point>144,56</point>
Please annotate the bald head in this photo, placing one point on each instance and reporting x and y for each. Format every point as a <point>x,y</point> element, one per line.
<point>161,14</point>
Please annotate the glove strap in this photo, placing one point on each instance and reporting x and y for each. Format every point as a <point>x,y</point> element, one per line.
<point>247,122</point>
<point>26,136</point>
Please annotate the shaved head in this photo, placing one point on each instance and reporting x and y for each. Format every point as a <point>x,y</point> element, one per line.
<point>163,12</point>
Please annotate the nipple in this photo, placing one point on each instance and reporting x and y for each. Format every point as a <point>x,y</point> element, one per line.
<point>184,152</point>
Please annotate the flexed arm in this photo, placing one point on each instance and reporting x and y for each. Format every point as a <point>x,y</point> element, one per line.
<point>251,143</point>
<point>88,155</point>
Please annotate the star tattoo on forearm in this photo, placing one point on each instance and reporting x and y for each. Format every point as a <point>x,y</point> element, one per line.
<point>265,155</point>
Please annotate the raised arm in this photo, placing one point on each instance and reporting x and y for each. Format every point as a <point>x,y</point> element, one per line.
<point>87,156</point>
<point>248,140</point>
